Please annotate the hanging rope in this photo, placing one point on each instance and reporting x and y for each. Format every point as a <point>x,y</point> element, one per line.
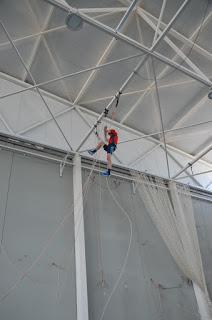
<point>126,256</point>
<point>101,283</point>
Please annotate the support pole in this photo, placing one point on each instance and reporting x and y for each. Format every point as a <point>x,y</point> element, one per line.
<point>80,258</point>
<point>159,21</point>
<point>126,15</point>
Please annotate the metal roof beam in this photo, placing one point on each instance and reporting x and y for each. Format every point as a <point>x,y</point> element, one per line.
<point>194,175</point>
<point>31,36</point>
<point>143,156</point>
<point>149,88</point>
<point>195,159</point>
<point>181,166</point>
<point>103,10</point>
<point>97,67</point>
<point>159,21</point>
<point>41,123</point>
<point>138,133</point>
<point>138,66</point>
<point>208,185</point>
<point>5,123</point>
<point>174,47</point>
<point>90,78</point>
<point>65,87</point>
<point>204,145</point>
<point>39,39</point>
<point>177,35</point>
<point>128,93</point>
<point>103,57</point>
<point>188,110</point>
<point>38,42</point>
<point>136,44</point>
<point>160,116</point>
<point>126,15</point>
<point>33,80</point>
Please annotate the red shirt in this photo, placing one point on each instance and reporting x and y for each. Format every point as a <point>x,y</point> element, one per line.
<point>113,139</point>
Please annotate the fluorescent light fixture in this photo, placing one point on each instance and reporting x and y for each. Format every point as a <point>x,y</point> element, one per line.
<point>74,22</point>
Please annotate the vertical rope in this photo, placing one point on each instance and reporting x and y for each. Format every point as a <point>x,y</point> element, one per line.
<point>121,273</point>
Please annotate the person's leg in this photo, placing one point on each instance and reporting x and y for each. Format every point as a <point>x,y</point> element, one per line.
<point>110,150</point>
<point>99,145</point>
<point>109,161</point>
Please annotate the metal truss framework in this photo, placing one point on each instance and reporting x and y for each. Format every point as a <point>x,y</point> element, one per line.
<point>151,86</point>
<point>171,43</point>
<point>83,111</point>
<point>141,63</point>
<point>198,75</point>
<point>32,78</point>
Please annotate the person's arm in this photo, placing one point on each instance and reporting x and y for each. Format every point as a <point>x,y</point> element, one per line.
<point>105,133</point>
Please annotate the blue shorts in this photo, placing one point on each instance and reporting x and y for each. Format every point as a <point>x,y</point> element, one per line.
<point>109,148</point>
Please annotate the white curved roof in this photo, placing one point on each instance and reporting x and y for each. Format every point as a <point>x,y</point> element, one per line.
<point>92,66</point>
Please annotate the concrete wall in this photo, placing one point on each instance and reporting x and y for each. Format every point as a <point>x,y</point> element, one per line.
<point>203,217</point>
<point>107,237</point>
<point>33,201</point>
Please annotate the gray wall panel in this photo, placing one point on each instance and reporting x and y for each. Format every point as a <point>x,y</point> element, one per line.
<point>107,235</point>
<point>203,217</point>
<point>38,199</point>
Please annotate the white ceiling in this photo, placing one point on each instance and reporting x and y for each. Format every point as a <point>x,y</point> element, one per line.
<point>50,50</point>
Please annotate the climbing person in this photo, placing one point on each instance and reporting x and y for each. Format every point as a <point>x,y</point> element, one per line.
<point>110,147</point>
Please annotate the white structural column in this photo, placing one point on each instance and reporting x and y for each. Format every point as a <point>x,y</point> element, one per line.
<point>80,259</point>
